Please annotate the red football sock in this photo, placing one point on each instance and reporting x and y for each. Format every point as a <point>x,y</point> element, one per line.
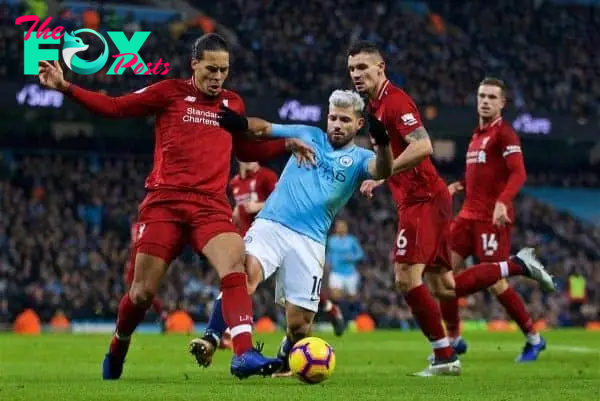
<point>157,305</point>
<point>449,308</point>
<point>237,311</point>
<point>427,313</point>
<point>484,275</point>
<point>325,304</point>
<point>128,318</point>
<point>515,307</point>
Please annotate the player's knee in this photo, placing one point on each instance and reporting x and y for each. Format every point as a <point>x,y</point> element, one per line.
<point>500,287</point>
<point>255,275</point>
<point>408,276</point>
<point>141,294</point>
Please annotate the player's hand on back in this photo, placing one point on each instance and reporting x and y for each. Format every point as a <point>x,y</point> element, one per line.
<point>232,121</point>
<point>500,217</point>
<point>455,187</point>
<point>51,75</point>
<point>368,186</point>
<point>305,155</point>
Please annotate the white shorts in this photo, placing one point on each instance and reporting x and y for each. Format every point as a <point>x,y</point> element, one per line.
<point>347,283</point>
<point>297,259</point>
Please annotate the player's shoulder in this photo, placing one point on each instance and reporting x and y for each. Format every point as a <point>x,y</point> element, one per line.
<point>394,96</point>
<point>231,95</point>
<point>505,132</point>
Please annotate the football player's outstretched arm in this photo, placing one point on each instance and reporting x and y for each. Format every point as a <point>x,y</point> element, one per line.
<point>419,147</point>
<point>146,101</point>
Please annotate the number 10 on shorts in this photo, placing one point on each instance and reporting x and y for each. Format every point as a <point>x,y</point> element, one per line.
<point>316,287</point>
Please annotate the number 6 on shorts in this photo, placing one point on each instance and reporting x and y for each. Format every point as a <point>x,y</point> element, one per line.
<point>401,243</point>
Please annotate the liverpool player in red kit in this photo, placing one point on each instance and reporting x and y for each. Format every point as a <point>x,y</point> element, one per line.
<point>495,172</point>
<point>424,207</point>
<point>186,201</point>
<point>250,187</point>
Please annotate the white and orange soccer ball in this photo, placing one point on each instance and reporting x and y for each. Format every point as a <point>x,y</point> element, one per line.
<point>312,360</point>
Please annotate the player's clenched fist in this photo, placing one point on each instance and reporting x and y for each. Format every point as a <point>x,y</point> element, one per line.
<point>368,186</point>
<point>51,75</point>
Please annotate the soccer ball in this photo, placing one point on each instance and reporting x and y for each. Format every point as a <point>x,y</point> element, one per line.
<point>312,360</point>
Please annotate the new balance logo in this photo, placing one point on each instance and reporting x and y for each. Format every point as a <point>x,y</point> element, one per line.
<point>190,98</point>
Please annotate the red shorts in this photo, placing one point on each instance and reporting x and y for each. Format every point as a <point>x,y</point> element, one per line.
<point>481,239</point>
<point>169,220</point>
<point>424,232</point>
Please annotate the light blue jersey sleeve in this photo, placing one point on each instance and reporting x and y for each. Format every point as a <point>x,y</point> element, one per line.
<point>305,133</point>
<point>368,155</point>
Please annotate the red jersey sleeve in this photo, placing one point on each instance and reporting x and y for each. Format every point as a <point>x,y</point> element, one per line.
<point>269,181</point>
<point>248,150</point>
<point>403,115</point>
<point>510,146</point>
<point>146,101</point>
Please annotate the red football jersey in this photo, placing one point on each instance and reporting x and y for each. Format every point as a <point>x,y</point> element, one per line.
<point>401,117</point>
<point>495,170</point>
<point>256,186</point>
<point>192,152</point>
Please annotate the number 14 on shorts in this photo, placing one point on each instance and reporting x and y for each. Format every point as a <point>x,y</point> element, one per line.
<point>489,243</point>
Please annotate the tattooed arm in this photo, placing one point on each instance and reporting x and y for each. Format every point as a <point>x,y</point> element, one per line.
<point>419,147</point>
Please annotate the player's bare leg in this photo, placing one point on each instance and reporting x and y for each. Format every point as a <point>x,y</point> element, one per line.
<point>299,325</point>
<point>450,313</point>
<point>426,311</point>
<point>148,275</point>
<point>516,309</point>
<point>204,348</point>
<point>225,252</point>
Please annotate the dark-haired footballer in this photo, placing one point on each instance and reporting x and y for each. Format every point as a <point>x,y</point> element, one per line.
<point>186,201</point>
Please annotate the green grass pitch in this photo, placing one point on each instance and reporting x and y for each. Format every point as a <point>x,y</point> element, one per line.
<point>369,367</point>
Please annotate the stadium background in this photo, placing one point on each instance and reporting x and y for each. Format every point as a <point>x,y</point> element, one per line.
<point>70,182</point>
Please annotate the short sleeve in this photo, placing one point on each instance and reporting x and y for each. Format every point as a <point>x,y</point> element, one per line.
<point>402,116</point>
<point>367,157</point>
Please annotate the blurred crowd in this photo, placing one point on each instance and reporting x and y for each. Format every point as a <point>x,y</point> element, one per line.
<point>546,52</point>
<point>64,243</point>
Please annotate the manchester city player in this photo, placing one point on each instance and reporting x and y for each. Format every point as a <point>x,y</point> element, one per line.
<point>289,234</point>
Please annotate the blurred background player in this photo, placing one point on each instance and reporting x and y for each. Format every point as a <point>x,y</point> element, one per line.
<point>290,233</point>
<point>495,172</point>
<point>157,303</point>
<point>186,201</point>
<point>424,207</point>
<point>343,254</point>
<point>250,188</point>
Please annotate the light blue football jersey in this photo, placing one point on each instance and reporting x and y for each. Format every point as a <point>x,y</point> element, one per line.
<point>306,200</point>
